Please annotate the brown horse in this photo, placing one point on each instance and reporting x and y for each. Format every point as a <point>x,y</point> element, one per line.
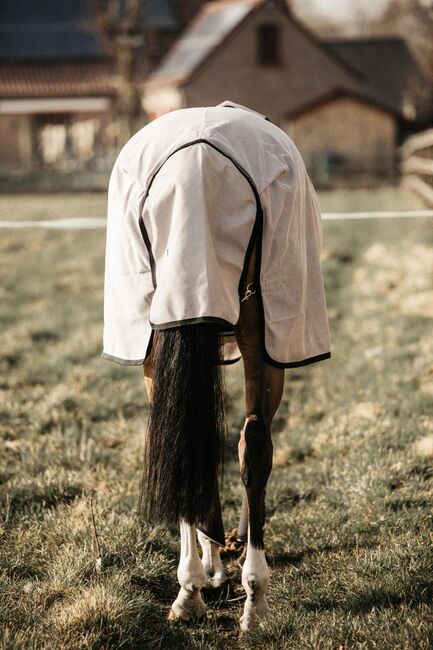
<point>263,391</point>
<point>213,247</point>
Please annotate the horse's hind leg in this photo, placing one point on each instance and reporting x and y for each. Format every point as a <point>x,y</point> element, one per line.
<point>190,573</point>
<point>211,538</point>
<point>191,576</point>
<point>211,560</point>
<point>263,391</point>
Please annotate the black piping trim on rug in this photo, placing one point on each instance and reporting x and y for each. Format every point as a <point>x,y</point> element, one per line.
<point>140,362</point>
<point>298,364</point>
<point>123,362</point>
<point>230,362</point>
<point>148,245</point>
<point>220,542</point>
<point>256,238</point>
<point>149,345</point>
<point>131,362</point>
<point>226,331</point>
<point>193,321</point>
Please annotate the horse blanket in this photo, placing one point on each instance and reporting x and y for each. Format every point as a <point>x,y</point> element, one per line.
<point>189,197</point>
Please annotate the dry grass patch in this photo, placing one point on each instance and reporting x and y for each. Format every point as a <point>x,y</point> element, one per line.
<point>349,521</point>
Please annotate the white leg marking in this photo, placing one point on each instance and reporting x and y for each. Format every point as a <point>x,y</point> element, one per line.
<point>211,560</point>
<point>191,577</point>
<point>255,580</point>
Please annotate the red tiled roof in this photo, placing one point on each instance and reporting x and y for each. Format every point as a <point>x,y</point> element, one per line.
<point>57,79</point>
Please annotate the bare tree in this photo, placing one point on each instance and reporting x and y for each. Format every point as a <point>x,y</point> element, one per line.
<point>121,24</point>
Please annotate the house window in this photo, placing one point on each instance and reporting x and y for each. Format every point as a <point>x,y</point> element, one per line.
<point>268,44</point>
<point>64,141</point>
<point>50,137</point>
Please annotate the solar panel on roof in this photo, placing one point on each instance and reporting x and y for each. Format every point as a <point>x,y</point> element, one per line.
<point>20,12</point>
<point>48,45</point>
<point>47,29</point>
<point>64,29</point>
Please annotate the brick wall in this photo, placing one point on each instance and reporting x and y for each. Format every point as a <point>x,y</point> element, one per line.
<point>346,136</point>
<point>306,71</point>
<point>15,142</point>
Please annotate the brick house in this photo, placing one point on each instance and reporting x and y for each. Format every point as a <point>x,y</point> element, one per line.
<point>344,103</point>
<point>60,84</point>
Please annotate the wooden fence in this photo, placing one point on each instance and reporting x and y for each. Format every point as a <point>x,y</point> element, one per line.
<point>417,164</point>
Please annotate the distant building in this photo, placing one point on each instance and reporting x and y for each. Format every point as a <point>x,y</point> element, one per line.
<point>344,103</point>
<point>347,104</point>
<point>60,84</point>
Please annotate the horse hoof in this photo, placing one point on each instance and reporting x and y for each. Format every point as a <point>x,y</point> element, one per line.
<point>247,623</point>
<point>216,581</point>
<point>180,612</point>
<point>255,614</point>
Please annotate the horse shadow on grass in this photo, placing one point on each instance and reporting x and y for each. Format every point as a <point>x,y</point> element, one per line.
<point>420,591</point>
<point>376,598</point>
<point>286,558</point>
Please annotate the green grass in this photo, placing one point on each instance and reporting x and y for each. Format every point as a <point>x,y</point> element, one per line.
<point>34,207</point>
<point>349,530</point>
<point>375,199</point>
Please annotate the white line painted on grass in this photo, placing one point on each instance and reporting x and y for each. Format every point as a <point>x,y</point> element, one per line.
<point>100,222</point>
<point>336,216</point>
<point>64,224</point>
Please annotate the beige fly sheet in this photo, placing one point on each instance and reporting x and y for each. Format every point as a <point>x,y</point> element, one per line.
<point>190,195</point>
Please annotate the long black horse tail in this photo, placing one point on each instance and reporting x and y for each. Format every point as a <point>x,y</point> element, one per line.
<point>185,438</point>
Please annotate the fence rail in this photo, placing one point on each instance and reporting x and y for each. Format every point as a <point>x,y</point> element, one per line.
<point>417,164</point>
<point>85,223</point>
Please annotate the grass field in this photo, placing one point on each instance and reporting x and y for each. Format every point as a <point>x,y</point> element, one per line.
<point>349,531</point>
